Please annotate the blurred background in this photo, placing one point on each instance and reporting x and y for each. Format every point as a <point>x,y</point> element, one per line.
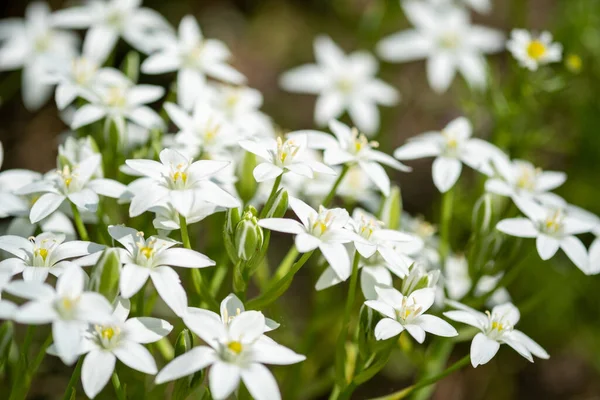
<point>551,118</point>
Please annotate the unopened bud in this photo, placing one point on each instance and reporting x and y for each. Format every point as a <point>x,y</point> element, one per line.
<point>391,209</point>
<point>105,276</point>
<point>183,343</point>
<point>248,235</point>
<point>419,278</point>
<point>232,218</point>
<point>246,185</point>
<point>277,206</point>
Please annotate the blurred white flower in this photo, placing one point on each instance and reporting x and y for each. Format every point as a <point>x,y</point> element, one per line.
<point>350,147</point>
<point>73,184</point>
<point>496,328</point>
<point>68,307</point>
<point>481,6</point>
<point>552,230</point>
<point>343,82</point>
<point>531,52</point>
<point>178,180</point>
<point>43,254</point>
<point>167,218</point>
<point>280,157</point>
<point>452,146</point>
<point>407,313</point>
<point>118,99</point>
<point>205,131</point>
<point>194,58</point>
<point>108,20</point>
<point>445,37</point>
<point>154,258</point>
<point>237,351</point>
<point>35,45</point>
<point>121,339</point>
<point>324,230</point>
<point>520,178</point>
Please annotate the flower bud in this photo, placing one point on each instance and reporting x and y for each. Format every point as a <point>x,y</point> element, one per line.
<point>105,275</point>
<point>246,185</point>
<point>232,218</point>
<point>419,278</point>
<point>391,209</point>
<point>184,342</point>
<point>482,214</point>
<point>248,235</point>
<point>277,207</point>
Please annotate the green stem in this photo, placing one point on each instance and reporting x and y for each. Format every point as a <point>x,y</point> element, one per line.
<point>278,288</point>
<point>73,381</point>
<point>202,289</point>
<point>117,385</point>
<point>29,373</point>
<point>285,265</point>
<point>426,382</point>
<point>335,186</point>
<point>340,359</point>
<point>166,349</point>
<point>446,218</point>
<point>185,237</point>
<point>79,223</point>
<point>276,185</point>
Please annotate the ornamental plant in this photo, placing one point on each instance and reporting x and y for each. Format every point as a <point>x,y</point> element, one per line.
<point>187,246</point>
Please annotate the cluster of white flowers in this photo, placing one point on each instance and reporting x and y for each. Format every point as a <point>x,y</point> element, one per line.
<point>227,156</point>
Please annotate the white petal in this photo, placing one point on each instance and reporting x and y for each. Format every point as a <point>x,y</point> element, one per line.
<point>266,172</point>
<point>530,344</point>
<point>248,326</point>
<point>302,210</point>
<point>371,277</point>
<point>160,63</point>
<point>260,382</point>
<point>549,180</point>
<point>404,46</point>
<point>45,206</point>
<point>377,174</point>
<point>436,326</point>
<point>327,279</point>
<point>520,227</point>
<point>473,68</point>
<point>269,352</point>
<point>337,257</point>
<point>304,79</point>
<point>147,329</point>
<point>16,245</point>
<point>132,279</point>
<point>146,117</point>
<point>37,274</point>
<point>183,258</point>
<point>384,308</point>
<point>67,337</point>
<point>282,225</point>
<point>136,356</point>
<point>483,349</point>
<point>189,84</point>
<point>478,321</point>
<point>365,116</point>
<point>35,313</point>
<point>186,364</point>
<point>417,149</point>
<point>387,328</point>
<point>87,114</point>
<point>97,368</point>
<point>85,199</point>
<point>65,95</point>
<point>167,284</point>
<point>446,172</point>
<point>576,252</point>
<point>416,332</point>
<point>107,187</point>
<point>546,246</point>
<point>329,106</point>
<point>223,379</point>
<point>440,71</point>
<point>306,242</point>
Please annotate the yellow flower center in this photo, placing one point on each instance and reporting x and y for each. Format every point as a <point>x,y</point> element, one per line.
<point>361,142</point>
<point>536,49</point>
<point>527,178</point>
<point>68,303</point>
<point>107,333</point>
<point>286,150</point>
<point>498,326</point>
<point>42,253</point>
<point>235,347</point>
<point>116,97</point>
<point>574,63</point>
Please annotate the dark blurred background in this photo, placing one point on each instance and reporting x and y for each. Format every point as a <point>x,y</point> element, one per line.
<point>554,128</point>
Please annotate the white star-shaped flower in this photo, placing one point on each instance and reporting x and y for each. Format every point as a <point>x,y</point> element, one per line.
<point>343,82</point>
<point>445,37</point>
<point>496,328</point>
<point>530,51</point>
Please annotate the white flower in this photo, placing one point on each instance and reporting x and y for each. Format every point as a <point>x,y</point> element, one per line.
<point>167,217</point>
<point>195,58</point>
<point>19,206</point>
<point>496,328</point>
<point>108,20</point>
<point>280,157</point>
<point>153,258</point>
<point>552,230</point>
<point>446,38</point>
<point>324,230</point>
<point>118,100</point>
<point>179,181</point>
<point>521,178</point>
<point>206,131</point>
<point>68,307</point>
<point>530,51</point>
<point>43,254</point>
<point>7,308</point>
<point>353,148</point>
<point>121,339</point>
<point>452,146</point>
<point>34,45</point>
<point>407,312</point>
<point>377,239</point>
<point>342,83</point>
<point>73,184</point>
<point>237,351</point>
<point>481,6</point>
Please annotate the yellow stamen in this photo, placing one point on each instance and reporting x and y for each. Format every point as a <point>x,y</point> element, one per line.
<point>235,346</point>
<point>536,49</point>
<point>107,333</point>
